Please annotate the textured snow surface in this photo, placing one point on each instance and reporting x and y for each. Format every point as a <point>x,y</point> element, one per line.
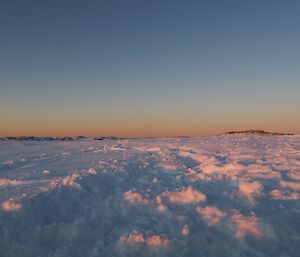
<point>208,196</point>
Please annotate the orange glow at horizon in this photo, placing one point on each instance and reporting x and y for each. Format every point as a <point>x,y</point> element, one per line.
<point>130,128</point>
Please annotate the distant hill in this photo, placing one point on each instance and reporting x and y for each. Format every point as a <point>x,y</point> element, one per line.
<point>257,132</point>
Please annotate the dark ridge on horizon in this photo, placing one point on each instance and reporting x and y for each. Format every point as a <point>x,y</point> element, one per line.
<point>76,138</point>
<point>66,138</point>
<point>33,138</point>
<point>257,132</point>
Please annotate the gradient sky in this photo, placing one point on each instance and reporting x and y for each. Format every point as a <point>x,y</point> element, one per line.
<point>148,68</point>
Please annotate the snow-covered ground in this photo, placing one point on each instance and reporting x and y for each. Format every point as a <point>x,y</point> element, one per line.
<point>208,196</point>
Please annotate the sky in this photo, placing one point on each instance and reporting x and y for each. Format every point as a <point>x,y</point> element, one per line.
<point>148,68</point>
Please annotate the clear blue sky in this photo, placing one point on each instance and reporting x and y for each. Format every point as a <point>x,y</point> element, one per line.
<point>148,68</point>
